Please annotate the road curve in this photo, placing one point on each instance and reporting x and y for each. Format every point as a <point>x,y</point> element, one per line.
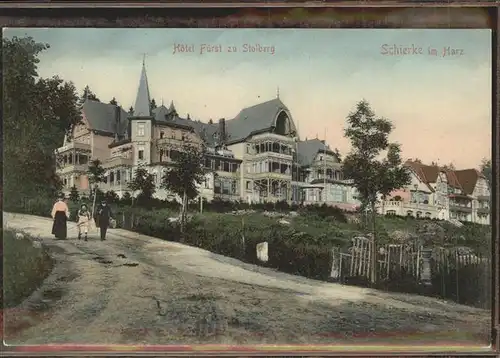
<point>135,289</point>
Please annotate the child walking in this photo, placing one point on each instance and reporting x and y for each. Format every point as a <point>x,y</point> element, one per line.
<point>83,221</point>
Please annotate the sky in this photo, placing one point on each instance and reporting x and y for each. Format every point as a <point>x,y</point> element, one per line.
<point>440,105</point>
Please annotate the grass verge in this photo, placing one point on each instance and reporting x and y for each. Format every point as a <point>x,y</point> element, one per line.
<point>25,267</point>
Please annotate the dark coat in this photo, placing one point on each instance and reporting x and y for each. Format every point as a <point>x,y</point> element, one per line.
<point>60,227</point>
<point>103,216</point>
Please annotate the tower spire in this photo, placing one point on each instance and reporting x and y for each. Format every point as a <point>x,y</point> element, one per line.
<point>142,106</point>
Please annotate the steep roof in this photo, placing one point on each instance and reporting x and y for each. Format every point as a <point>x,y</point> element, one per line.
<point>452,178</point>
<point>142,106</point>
<point>101,117</point>
<point>468,179</point>
<point>426,173</point>
<point>308,149</point>
<point>163,114</point>
<point>253,119</point>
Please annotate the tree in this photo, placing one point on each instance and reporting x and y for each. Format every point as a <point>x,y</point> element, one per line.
<point>371,176</point>
<point>111,196</point>
<point>96,175</point>
<point>126,198</point>
<point>184,175</point>
<point>73,194</point>
<point>113,102</point>
<point>153,104</point>
<point>88,94</point>
<point>486,170</point>
<point>144,183</point>
<point>210,121</point>
<point>337,154</point>
<point>37,114</point>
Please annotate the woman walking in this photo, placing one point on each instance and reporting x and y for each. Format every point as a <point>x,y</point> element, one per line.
<point>83,221</point>
<point>103,218</point>
<point>60,214</point>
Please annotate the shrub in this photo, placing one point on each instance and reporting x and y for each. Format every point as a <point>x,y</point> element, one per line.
<point>25,268</point>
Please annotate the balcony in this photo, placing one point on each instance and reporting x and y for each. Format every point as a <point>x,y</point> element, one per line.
<point>117,162</point>
<point>225,174</point>
<point>275,155</point>
<point>271,137</point>
<point>271,175</point>
<point>401,208</point>
<point>484,211</point>
<point>74,145</point>
<point>174,142</point>
<point>460,207</point>
<point>72,168</point>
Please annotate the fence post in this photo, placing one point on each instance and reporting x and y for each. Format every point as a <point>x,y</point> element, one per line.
<point>335,271</point>
<point>456,275</point>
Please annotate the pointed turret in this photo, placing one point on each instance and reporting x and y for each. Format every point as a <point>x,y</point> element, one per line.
<point>172,107</point>
<point>142,106</point>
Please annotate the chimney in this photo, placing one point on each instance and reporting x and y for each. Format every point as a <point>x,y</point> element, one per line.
<point>117,121</point>
<point>222,131</point>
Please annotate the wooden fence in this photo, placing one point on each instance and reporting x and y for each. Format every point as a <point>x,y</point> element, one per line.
<point>392,260</point>
<point>443,272</point>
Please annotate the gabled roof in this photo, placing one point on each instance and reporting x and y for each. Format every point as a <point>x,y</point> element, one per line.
<point>468,179</point>
<point>452,178</point>
<point>101,117</point>
<point>308,149</point>
<point>426,173</point>
<point>254,119</point>
<point>142,106</point>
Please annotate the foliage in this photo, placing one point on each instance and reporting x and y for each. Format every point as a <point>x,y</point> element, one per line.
<point>96,172</point>
<point>73,194</point>
<point>25,268</point>
<point>113,102</point>
<point>185,175</point>
<point>486,170</point>
<point>153,104</point>
<point>112,197</point>
<point>371,176</point>
<point>88,94</point>
<point>369,138</point>
<point>37,114</point>
<point>144,183</point>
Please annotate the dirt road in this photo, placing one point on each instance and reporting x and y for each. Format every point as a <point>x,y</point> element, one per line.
<point>142,290</point>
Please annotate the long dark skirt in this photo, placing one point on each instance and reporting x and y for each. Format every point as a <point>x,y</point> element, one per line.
<point>60,227</point>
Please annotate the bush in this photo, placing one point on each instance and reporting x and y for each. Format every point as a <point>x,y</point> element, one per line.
<point>25,268</point>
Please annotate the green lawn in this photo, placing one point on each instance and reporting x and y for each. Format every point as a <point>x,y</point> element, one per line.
<point>25,268</point>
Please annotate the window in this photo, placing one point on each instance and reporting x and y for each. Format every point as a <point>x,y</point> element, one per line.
<point>141,127</point>
<point>162,134</point>
<point>248,185</point>
<point>140,153</point>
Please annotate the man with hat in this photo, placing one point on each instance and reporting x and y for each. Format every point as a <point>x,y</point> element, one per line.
<point>103,217</point>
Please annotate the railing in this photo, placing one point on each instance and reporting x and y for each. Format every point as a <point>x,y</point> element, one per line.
<point>271,154</point>
<point>272,175</point>
<point>117,162</point>
<point>70,168</point>
<point>272,136</point>
<point>74,145</point>
<point>228,174</point>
